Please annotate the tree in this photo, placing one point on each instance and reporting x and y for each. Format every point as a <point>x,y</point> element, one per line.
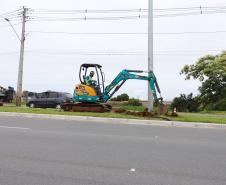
<point>211,71</point>
<point>186,103</point>
<point>134,102</point>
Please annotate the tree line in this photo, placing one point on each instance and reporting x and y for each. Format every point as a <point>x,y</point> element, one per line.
<point>211,72</point>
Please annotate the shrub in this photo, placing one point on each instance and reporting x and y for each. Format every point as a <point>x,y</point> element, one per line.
<point>186,103</point>
<point>122,97</point>
<point>134,102</point>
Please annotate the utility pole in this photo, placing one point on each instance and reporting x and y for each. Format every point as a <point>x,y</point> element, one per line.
<point>150,51</point>
<point>20,68</point>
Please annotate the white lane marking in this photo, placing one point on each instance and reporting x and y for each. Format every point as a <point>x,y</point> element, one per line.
<point>132,170</point>
<point>21,128</point>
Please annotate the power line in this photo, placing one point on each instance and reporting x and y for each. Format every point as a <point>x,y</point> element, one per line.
<point>12,13</point>
<point>191,32</point>
<point>127,10</point>
<point>123,52</point>
<point>82,53</point>
<point>129,33</point>
<point>140,13</point>
<point>90,33</point>
<point>13,16</point>
<point>86,18</point>
<point>170,12</point>
<point>175,53</point>
<point>51,11</point>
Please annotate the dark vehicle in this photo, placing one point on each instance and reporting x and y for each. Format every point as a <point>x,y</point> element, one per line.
<point>49,99</point>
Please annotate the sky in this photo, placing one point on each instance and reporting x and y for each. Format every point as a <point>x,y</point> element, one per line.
<point>58,68</point>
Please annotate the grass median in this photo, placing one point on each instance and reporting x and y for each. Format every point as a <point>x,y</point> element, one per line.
<point>205,117</point>
<point>23,109</point>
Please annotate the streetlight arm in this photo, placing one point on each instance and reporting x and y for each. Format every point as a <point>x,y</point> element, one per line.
<point>6,19</point>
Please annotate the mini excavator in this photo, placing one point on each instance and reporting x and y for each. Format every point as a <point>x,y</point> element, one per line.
<point>86,99</point>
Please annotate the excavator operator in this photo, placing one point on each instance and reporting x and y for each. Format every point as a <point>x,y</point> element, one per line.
<point>92,83</point>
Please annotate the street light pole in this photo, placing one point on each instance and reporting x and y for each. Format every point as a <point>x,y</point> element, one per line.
<point>20,68</point>
<point>150,51</point>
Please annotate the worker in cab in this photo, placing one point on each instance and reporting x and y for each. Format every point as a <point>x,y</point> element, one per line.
<point>92,83</point>
<point>89,79</point>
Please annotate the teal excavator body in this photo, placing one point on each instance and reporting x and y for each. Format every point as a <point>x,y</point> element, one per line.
<point>86,99</point>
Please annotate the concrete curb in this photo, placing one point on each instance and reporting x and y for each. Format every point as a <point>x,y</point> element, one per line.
<point>118,120</point>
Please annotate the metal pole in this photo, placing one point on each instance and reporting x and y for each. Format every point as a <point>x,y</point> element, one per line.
<point>20,69</point>
<point>150,51</point>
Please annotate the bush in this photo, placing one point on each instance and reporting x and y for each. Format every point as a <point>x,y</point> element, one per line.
<point>134,102</point>
<point>220,105</point>
<point>122,97</point>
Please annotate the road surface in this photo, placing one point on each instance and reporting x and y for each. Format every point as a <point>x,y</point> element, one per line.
<point>37,151</point>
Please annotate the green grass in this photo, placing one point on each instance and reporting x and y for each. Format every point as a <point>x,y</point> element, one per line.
<point>210,117</point>
<point>23,109</point>
<point>129,107</point>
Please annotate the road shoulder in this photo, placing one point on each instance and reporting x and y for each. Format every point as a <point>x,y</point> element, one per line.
<point>118,120</point>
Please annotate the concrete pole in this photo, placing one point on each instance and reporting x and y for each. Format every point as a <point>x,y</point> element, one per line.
<point>20,69</point>
<point>150,51</point>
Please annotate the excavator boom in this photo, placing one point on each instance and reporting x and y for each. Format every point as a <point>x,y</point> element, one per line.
<point>125,75</point>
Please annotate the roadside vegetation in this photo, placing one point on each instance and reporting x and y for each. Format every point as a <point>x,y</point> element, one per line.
<point>211,72</point>
<point>206,116</point>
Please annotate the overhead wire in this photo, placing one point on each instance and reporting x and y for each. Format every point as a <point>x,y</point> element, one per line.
<point>46,11</point>
<point>87,18</point>
<point>117,53</point>
<point>119,14</point>
<point>128,17</point>
<point>128,10</point>
<point>14,17</point>
<point>185,11</point>
<point>128,33</point>
<point>122,52</point>
<point>10,13</point>
<point>191,11</point>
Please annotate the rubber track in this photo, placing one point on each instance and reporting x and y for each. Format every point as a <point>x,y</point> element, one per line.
<point>86,107</point>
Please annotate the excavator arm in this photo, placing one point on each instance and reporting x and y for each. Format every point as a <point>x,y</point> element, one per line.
<point>125,75</point>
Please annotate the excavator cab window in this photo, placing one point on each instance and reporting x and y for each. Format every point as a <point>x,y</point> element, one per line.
<point>99,77</point>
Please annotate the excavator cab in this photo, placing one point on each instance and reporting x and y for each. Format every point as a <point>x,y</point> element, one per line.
<point>84,72</point>
<point>85,93</point>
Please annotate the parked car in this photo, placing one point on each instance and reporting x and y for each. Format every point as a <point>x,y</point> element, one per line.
<point>49,99</point>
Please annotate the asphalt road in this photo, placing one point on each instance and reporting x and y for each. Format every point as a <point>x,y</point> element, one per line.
<point>58,152</point>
